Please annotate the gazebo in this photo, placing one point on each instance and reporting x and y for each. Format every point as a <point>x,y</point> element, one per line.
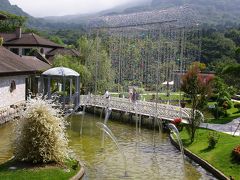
<point>65,80</point>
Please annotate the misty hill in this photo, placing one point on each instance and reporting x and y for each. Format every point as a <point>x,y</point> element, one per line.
<point>6,6</point>
<point>210,11</point>
<point>32,22</point>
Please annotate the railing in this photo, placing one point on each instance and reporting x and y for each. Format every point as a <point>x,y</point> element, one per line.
<point>152,109</point>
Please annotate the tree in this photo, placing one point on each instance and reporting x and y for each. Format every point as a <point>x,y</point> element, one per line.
<point>198,88</point>
<point>73,63</point>
<point>222,93</point>
<point>56,39</point>
<point>98,63</point>
<point>231,72</point>
<point>217,47</point>
<point>12,22</point>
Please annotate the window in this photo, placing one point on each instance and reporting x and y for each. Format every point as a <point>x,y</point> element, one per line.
<point>26,51</point>
<point>15,50</point>
<point>12,86</point>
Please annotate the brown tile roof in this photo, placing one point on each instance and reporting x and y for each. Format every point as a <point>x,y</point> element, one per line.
<point>27,39</point>
<point>61,51</point>
<point>35,63</point>
<point>12,64</point>
<point>64,51</point>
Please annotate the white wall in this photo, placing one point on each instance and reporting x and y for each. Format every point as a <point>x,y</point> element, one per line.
<point>8,98</point>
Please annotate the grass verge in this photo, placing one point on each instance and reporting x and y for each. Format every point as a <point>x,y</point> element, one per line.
<point>220,157</point>
<point>26,171</point>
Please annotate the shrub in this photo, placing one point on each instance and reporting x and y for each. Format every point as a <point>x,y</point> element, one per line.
<point>212,139</point>
<point>178,124</point>
<point>237,105</point>
<point>218,112</point>
<point>227,104</point>
<point>236,153</point>
<point>140,90</point>
<point>41,134</point>
<point>213,97</point>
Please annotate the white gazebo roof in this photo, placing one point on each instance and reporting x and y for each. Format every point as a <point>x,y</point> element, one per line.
<point>60,71</point>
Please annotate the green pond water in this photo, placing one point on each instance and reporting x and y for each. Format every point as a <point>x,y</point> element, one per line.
<point>149,153</point>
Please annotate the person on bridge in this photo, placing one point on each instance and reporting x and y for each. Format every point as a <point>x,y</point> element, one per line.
<point>134,96</point>
<point>130,94</point>
<point>107,95</point>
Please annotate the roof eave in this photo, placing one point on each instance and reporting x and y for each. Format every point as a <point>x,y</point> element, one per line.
<point>16,73</point>
<point>30,45</point>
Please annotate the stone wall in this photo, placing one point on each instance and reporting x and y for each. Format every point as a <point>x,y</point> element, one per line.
<point>17,95</point>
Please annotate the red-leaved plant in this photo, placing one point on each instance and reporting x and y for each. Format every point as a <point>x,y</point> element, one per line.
<point>236,153</point>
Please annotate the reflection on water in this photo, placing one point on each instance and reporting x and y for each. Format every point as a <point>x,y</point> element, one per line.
<point>149,155</point>
<point>6,137</point>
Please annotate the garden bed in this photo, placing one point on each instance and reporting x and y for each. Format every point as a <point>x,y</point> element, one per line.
<point>221,156</point>
<point>20,170</point>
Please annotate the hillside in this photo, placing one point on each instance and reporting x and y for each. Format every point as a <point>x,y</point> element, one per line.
<point>211,12</point>
<point>6,6</point>
<point>37,23</point>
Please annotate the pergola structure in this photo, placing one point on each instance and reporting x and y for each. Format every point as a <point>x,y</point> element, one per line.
<point>66,80</point>
<point>150,48</point>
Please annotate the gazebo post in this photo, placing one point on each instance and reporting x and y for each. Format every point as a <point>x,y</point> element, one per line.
<point>77,78</point>
<point>70,93</point>
<point>64,87</point>
<point>49,87</point>
<point>42,86</point>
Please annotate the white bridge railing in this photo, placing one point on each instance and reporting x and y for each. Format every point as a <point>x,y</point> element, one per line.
<point>162,111</point>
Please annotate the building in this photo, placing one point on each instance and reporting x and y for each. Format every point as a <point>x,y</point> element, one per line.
<point>15,75</point>
<point>61,51</point>
<point>24,43</point>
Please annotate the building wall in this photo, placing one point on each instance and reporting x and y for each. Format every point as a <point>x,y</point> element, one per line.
<point>8,98</point>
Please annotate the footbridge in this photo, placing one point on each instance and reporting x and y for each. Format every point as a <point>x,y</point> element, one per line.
<point>151,109</point>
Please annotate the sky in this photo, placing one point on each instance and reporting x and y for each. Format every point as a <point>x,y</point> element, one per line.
<point>43,8</point>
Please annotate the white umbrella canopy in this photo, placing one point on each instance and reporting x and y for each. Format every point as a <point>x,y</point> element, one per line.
<point>60,71</point>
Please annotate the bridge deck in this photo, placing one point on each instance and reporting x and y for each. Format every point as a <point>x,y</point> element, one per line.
<point>162,111</point>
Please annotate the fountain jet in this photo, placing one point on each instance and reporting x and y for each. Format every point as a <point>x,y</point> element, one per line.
<point>106,130</point>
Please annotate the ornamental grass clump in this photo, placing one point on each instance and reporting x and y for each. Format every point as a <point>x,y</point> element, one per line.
<point>41,134</point>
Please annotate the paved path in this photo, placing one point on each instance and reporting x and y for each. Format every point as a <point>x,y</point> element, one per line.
<point>228,128</point>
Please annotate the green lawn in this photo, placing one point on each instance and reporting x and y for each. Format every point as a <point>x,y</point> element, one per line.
<point>233,114</point>
<point>46,173</point>
<point>148,95</point>
<point>220,156</point>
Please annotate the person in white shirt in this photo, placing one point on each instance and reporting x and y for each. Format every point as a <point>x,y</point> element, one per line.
<point>107,95</point>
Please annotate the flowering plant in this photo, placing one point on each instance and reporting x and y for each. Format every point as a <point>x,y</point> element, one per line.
<point>41,134</point>
<point>236,153</point>
<point>177,121</point>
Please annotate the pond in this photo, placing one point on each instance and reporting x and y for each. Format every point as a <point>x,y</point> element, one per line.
<point>149,153</point>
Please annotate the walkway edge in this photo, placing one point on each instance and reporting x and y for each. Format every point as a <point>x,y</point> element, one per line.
<point>80,173</point>
<point>218,174</point>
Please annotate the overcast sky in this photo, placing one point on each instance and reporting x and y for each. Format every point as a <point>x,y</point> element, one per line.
<point>41,8</point>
